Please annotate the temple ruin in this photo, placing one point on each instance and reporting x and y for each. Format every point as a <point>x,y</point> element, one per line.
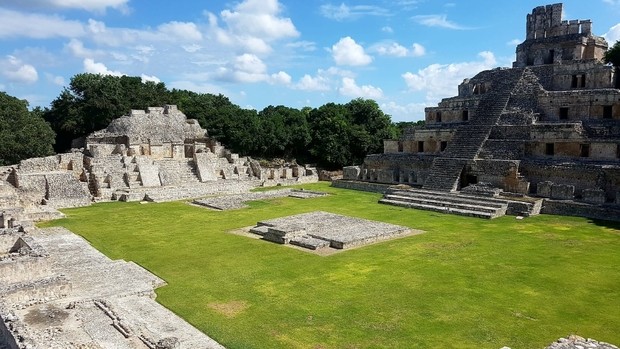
<point>152,155</point>
<point>547,128</point>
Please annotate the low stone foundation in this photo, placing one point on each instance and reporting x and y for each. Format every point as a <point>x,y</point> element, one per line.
<point>581,209</point>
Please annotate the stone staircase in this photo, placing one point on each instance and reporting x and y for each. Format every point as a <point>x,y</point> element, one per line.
<point>441,201</point>
<point>468,139</point>
<point>180,171</point>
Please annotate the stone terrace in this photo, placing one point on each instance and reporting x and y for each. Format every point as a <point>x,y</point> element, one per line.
<point>233,202</point>
<point>318,230</point>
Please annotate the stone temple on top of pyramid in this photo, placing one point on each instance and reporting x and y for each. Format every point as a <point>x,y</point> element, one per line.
<point>544,132</point>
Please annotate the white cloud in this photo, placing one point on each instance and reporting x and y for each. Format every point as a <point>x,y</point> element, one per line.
<point>14,24</point>
<point>437,21</point>
<point>88,5</point>
<point>151,78</point>
<point>193,48</point>
<point>417,50</point>
<point>350,88</point>
<point>391,49</point>
<point>186,30</point>
<point>310,83</point>
<point>397,50</point>
<point>404,112</point>
<point>280,78</point>
<point>90,66</point>
<point>56,80</point>
<point>612,2</point>
<point>613,34</point>
<point>14,70</point>
<point>252,25</point>
<point>348,52</point>
<point>345,12</point>
<point>307,46</point>
<point>441,80</point>
<point>387,29</point>
<point>170,32</point>
<point>513,42</point>
<point>77,49</point>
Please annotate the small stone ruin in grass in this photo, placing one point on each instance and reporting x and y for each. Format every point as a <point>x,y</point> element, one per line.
<point>323,230</point>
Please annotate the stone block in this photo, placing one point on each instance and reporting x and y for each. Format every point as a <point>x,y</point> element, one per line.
<point>149,175</point>
<point>594,196</point>
<point>351,172</point>
<point>563,192</point>
<point>385,176</point>
<point>544,189</point>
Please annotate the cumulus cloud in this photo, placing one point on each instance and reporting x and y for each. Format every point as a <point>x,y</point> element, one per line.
<point>387,29</point>
<point>344,12</point>
<point>307,46</point>
<point>77,49</point>
<point>14,70</point>
<point>249,68</point>
<point>348,52</point>
<point>441,80</point>
<point>404,112</point>
<point>90,66</point>
<point>313,83</point>
<point>15,24</point>
<point>253,25</point>
<point>280,78</point>
<point>151,78</point>
<point>440,21</point>
<point>186,30</point>
<point>395,49</point>
<point>350,88</point>
<point>613,34</point>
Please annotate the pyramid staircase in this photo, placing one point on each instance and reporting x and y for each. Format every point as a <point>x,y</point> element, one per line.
<point>468,139</point>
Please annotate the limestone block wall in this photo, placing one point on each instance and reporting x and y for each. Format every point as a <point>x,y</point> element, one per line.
<point>403,168</point>
<point>63,189</point>
<point>40,165</point>
<point>582,75</point>
<point>580,175</point>
<point>452,110</point>
<point>580,105</point>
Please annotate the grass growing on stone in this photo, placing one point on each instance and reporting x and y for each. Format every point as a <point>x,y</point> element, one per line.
<point>465,283</point>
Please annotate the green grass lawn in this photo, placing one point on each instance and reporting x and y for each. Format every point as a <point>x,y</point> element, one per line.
<point>465,283</point>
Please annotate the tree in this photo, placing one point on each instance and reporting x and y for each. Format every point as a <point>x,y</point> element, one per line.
<point>23,134</point>
<point>612,55</point>
<point>330,146</point>
<point>92,101</point>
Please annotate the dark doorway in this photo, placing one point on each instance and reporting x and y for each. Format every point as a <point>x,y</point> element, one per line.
<point>465,115</point>
<point>549,149</point>
<point>563,113</point>
<point>584,150</point>
<point>420,147</point>
<point>607,112</point>
<point>438,117</point>
<point>443,145</point>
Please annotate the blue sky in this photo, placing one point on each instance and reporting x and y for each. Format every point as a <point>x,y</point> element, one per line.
<point>405,54</point>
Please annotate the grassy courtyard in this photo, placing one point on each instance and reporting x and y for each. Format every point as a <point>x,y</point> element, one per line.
<point>465,283</point>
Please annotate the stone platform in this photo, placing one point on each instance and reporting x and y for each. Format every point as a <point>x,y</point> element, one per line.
<point>237,201</point>
<point>57,291</point>
<point>323,230</point>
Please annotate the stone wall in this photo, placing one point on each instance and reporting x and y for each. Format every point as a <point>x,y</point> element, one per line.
<point>579,209</point>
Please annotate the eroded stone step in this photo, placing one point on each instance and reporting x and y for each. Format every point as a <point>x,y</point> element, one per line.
<point>462,212</point>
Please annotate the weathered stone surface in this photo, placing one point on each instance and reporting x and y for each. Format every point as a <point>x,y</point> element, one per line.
<point>340,232</point>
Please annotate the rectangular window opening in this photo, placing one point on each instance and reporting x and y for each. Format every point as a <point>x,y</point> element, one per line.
<point>607,112</point>
<point>574,82</point>
<point>438,117</point>
<point>465,115</point>
<point>583,80</point>
<point>420,147</point>
<point>584,150</point>
<point>549,149</point>
<point>443,145</point>
<point>563,113</point>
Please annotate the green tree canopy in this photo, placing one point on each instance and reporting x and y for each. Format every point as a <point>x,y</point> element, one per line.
<point>612,55</point>
<point>92,101</point>
<point>23,134</point>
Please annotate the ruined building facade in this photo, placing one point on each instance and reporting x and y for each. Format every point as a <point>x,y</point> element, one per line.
<point>155,155</point>
<point>548,127</point>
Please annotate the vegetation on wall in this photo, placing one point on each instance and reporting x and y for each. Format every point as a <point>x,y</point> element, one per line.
<point>332,136</point>
<point>612,55</point>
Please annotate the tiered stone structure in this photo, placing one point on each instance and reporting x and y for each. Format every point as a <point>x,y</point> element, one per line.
<point>549,127</point>
<point>154,155</point>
